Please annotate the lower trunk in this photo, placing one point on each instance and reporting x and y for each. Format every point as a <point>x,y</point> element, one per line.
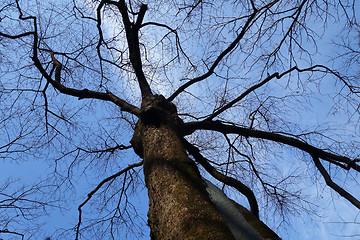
<point>179,207</point>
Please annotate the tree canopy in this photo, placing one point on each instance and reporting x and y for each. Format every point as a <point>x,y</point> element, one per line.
<point>265,93</point>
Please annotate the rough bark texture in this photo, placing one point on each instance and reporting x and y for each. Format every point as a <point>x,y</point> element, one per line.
<point>264,231</point>
<point>179,207</point>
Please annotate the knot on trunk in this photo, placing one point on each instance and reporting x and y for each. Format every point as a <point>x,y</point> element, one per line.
<point>153,115</point>
<point>159,101</point>
<point>157,110</point>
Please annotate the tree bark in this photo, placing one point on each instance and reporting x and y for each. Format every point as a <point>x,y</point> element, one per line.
<point>179,207</point>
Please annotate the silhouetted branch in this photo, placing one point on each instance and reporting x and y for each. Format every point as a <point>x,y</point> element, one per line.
<point>132,36</point>
<point>176,37</point>
<point>218,59</point>
<point>16,36</point>
<point>12,232</point>
<point>242,188</point>
<point>81,94</point>
<point>84,93</point>
<point>276,137</point>
<point>333,185</point>
<point>315,68</point>
<point>89,196</point>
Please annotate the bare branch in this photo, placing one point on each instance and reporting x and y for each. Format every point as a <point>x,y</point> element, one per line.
<point>81,94</point>
<point>176,36</point>
<point>58,67</point>
<point>16,36</point>
<point>84,93</point>
<point>242,188</point>
<point>91,194</point>
<point>12,232</point>
<point>333,185</point>
<point>316,68</point>
<point>132,36</point>
<point>276,137</point>
<point>110,149</point>
<point>218,59</point>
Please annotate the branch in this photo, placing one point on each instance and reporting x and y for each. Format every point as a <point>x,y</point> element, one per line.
<point>141,14</point>
<point>58,67</point>
<point>110,149</point>
<point>84,93</point>
<point>176,37</point>
<point>91,194</point>
<point>217,60</point>
<point>81,94</point>
<point>316,153</point>
<point>132,36</point>
<point>276,137</point>
<point>315,68</point>
<point>242,188</point>
<point>333,185</point>
<point>12,232</point>
<point>16,36</point>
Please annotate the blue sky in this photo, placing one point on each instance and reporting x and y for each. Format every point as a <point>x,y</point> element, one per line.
<point>325,108</point>
<point>337,218</point>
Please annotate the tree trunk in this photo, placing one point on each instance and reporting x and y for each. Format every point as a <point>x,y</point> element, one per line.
<point>179,207</point>
<point>179,204</point>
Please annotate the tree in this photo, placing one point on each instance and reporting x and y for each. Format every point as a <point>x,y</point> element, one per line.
<point>220,89</point>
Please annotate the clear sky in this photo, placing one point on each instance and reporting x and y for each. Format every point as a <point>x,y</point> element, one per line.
<point>337,218</point>
<point>334,217</point>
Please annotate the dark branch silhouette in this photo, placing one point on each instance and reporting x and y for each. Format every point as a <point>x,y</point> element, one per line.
<point>230,181</point>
